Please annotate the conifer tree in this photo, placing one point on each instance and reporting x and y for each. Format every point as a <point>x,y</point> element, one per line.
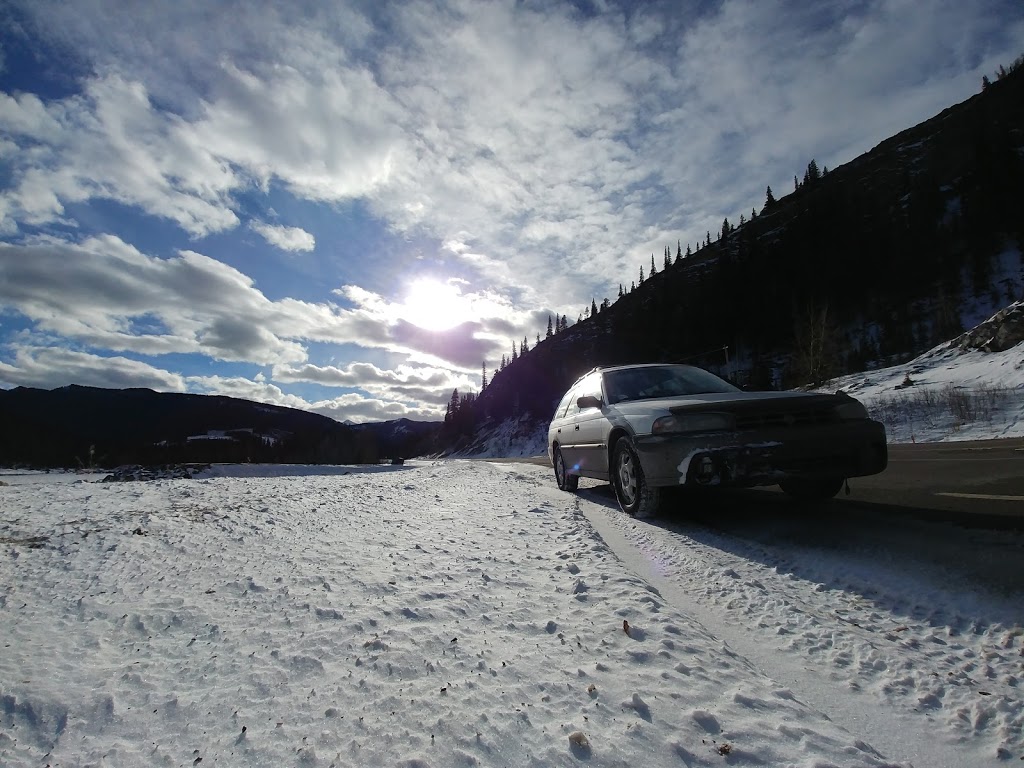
<point>725,229</point>
<point>620,290</point>
<point>769,198</point>
<point>632,286</point>
<point>504,363</point>
<point>593,307</point>
<point>453,405</point>
<point>550,332</point>
<point>689,253</point>
<point>515,353</point>
<point>679,250</point>
<point>653,270</point>
<point>668,259</point>
<point>524,347</point>
<point>483,376</point>
<point>641,273</point>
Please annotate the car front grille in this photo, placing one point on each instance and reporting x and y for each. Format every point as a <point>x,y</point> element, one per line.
<point>785,419</point>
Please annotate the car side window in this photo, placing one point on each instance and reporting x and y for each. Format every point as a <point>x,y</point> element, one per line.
<point>589,386</point>
<point>564,404</point>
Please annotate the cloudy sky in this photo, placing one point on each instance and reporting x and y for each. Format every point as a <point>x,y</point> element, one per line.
<point>351,206</point>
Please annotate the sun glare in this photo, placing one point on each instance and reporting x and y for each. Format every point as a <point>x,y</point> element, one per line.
<point>434,305</point>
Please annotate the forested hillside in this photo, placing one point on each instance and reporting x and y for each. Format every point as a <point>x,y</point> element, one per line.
<point>864,264</point>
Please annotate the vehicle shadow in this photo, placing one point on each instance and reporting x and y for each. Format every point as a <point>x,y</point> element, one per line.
<point>872,541</point>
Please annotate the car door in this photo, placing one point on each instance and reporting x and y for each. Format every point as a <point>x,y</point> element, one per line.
<point>563,428</point>
<point>590,452</point>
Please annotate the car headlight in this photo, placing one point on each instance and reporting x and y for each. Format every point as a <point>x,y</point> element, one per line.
<point>693,422</point>
<point>851,409</point>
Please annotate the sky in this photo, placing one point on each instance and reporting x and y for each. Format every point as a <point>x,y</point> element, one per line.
<point>353,207</point>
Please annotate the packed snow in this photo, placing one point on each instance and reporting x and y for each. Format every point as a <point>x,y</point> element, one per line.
<point>469,613</point>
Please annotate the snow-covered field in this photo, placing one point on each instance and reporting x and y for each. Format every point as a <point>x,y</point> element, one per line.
<point>468,613</point>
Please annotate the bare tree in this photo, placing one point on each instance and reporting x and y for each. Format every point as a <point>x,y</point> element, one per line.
<point>816,352</point>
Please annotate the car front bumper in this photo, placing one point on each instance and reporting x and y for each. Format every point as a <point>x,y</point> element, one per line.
<point>764,457</point>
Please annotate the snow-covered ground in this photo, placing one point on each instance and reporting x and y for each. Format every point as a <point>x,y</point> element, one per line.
<point>948,393</point>
<point>468,613</point>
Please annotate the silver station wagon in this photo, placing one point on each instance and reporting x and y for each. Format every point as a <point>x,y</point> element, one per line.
<point>647,427</point>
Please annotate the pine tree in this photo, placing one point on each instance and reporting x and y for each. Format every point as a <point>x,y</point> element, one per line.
<point>550,332</point>
<point>483,376</point>
<point>641,273</point>
<point>504,363</point>
<point>538,340</point>
<point>743,220</point>
<point>796,184</point>
<point>753,214</point>
<point>605,304</point>
<point>632,286</point>
<point>689,253</point>
<point>668,259</point>
<point>769,198</point>
<point>620,290</point>
<point>593,307</point>
<point>679,250</point>
<point>707,241</point>
<point>515,353</point>
<point>653,270</point>
<point>524,347</point>
<point>565,323</point>
<point>453,404</point>
<point>726,229</point>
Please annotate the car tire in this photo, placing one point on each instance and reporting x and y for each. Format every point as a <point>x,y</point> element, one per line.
<point>812,488</point>
<point>635,496</point>
<point>566,482</point>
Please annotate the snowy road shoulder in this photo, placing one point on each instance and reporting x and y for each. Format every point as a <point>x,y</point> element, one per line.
<point>458,613</point>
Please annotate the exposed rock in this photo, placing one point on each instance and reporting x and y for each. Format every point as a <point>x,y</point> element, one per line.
<point>1005,329</point>
<point>134,473</point>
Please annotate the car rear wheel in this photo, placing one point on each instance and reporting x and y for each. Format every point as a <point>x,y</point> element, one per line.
<point>566,482</point>
<point>812,488</point>
<point>635,496</point>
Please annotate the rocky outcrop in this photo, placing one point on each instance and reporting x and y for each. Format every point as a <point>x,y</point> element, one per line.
<point>1005,329</point>
<point>137,473</point>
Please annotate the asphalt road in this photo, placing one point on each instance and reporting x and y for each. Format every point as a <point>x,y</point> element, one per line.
<point>978,483</point>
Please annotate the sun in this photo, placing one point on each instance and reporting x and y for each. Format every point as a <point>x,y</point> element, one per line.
<point>434,305</point>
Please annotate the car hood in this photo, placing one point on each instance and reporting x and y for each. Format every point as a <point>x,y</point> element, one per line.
<point>640,414</point>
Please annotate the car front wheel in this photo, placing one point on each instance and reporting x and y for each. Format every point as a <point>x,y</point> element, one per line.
<point>635,496</point>
<point>566,482</point>
<point>812,488</point>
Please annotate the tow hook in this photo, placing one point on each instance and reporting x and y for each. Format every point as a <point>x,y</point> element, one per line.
<point>705,470</point>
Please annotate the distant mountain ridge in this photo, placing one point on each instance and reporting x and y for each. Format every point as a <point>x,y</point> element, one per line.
<point>90,426</point>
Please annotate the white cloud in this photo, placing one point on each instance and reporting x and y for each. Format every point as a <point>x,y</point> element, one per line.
<point>109,295</point>
<point>569,145</point>
<point>285,238</point>
<point>50,367</point>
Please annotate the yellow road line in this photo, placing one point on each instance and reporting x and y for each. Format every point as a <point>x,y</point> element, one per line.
<point>989,496</point>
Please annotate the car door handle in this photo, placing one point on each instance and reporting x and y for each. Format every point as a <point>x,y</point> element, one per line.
<point>577,428</point>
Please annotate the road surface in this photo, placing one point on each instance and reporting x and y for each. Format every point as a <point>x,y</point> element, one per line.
<point>976,483</point>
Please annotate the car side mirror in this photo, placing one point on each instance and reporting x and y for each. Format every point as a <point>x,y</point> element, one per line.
<point>588,401</point>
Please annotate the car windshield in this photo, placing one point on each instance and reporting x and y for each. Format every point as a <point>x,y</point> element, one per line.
<point>647,382</point>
